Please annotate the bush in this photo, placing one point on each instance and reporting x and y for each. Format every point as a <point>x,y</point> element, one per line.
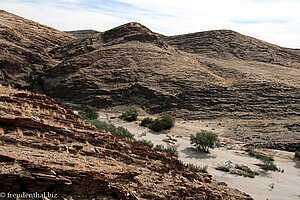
<point>129,115</point>
<point>170,149</point>
<point>297,154</point>
<point>205,140</point>
<point>269,165</point>
<point>259,155</point>
<point>165,122</point>
<point>88,113</point>
<point>147,143</point>
<point>225,167</point>
<point>119,131</point>
<point>159,147</point>
<point>243,170</point>
<point>173,150</point>
<point>196,168</point>
<point>147,122</point>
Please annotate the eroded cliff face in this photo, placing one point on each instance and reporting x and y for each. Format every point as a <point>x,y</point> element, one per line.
<point>45,147</point>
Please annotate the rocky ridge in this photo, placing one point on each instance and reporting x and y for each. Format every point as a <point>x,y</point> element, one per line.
<point>227,44</point>
<point>45,147</point>
<point>24,46</point>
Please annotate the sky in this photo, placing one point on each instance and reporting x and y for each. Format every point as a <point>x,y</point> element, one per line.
<point>274,21</point>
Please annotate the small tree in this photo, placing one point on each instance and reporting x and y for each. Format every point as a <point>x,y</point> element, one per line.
<point>205,140</point>
<point>129,115</point>
<point>165,122</point>
<point>88,113</point>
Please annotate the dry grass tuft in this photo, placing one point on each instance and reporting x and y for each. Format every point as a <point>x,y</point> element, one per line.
<point>1,131</point>
<point>38,134</point>
<point>20,133</point>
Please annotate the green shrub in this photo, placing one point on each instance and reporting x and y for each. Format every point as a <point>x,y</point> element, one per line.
<point>297,154</point>
<point>173,150</point>
<point>147,122</point>
<point>88,113</point>
<point>147,143</point>
<point>205,140</point>
<point>259,155</point>
<point>269,165</point>
<point>120,131</point>
<point>170,149</point>
<point>129,115</point>
<point>225,167</point>
<point>165,122</point>
<point>196,168</point>
<point>243,170</point>
<point>159,147</point>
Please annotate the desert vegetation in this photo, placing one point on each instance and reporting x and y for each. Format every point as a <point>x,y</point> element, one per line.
<point>147,143</point>
<point>196,168</point>
<point>130,115</point>
<point>268,161</point>
<point>164,122</point>
<point>204,140</point>
<point>147,122</point>
<point>108,127</point>
<point>88,113</point>
<point>237,169</point>
<point>171,149</point>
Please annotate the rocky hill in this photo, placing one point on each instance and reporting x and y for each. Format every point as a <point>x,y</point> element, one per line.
<point>227,44</point>
<point>45,147</point>
<point>24,47</point>
<point>206,75</point>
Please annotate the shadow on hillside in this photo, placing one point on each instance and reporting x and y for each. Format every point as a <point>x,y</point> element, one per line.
<point>194,153</point>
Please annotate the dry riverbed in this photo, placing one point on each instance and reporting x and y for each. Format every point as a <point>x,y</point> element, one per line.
<point>267,185</point>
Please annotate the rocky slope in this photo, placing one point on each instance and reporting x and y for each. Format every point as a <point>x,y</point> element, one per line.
<point>45,147</point>
<point>24,47</point>
<point>227,44</point>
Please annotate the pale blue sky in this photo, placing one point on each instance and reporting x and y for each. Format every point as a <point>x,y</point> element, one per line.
<point>275,21</point>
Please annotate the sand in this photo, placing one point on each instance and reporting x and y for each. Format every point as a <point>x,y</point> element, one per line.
<point>267,185</point>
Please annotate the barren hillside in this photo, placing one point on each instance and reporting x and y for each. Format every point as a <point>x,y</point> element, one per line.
<point>24,46</point>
